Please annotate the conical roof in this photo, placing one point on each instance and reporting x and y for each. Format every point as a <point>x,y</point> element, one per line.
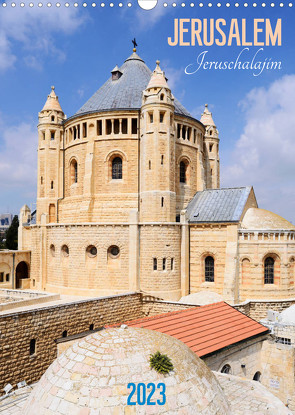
<point>52,102</point>
<point>125,92</point>
<point>158,79</point>
<point>207,118</point>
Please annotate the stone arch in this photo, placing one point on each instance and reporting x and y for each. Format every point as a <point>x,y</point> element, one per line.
<point>292,270</point>
<point>21,272</point>
<point>203,256</point>
<point>73,170</point>
<point>269,275</point>
<point>245,270</point>
<point>112,154</point>
<point>225,368</point>
<point>109,163</point>
<point>184,166</point>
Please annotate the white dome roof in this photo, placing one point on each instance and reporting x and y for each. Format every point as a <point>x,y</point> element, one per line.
<point>288,316</point>
<point>92,377</point>
<point>260,219</point>
<point>201,298</point>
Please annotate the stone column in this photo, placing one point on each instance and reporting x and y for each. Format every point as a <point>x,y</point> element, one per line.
<point>231,270</point>
<point>43,250</point>
<point>134,254</point>
<point>184,254</point>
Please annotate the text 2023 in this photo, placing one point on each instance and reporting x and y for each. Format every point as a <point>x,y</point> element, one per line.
<point>145,393</point>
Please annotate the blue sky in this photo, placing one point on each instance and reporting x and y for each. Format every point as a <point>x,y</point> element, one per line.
<point>75,50</point>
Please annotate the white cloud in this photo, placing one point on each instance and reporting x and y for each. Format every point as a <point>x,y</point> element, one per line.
<point>32,29</point>
<point>265,152</point>
<point>173,75</point>
<point>147,18</point>
<point>7,58</point>
<point>18,156</point>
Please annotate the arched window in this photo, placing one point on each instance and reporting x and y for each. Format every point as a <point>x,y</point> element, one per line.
<point>246,271</point>
<point>182,172</point>
<point>269,270</point>
<point>91,251</point>
<point>74,171</point>
<point>226,369</point>
<point>209,269</point>
<point>117,168</point>
<point>113,251</point>
<point>257,376</point>
<point>65,250</point>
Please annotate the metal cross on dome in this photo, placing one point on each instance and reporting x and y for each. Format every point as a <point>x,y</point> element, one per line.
<point>134,43</point>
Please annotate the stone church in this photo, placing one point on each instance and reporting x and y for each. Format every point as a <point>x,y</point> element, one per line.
<point>129,199</point>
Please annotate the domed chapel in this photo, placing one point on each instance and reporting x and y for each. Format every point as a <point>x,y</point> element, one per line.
<point>129,199</point>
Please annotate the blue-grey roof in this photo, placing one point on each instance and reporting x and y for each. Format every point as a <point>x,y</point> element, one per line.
<point>218,205</point>
<point>125,92</point>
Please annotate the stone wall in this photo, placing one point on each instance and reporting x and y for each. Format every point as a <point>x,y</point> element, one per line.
<point>277,362</point>
<point>257,309</point>
<point>162,243</point>
<point>153,307</point>
<point>47,324</point>
<point>207,240</point>
<point>246,353</point>
<point>254,247</point>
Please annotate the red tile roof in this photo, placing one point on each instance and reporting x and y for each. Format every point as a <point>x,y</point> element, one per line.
<point>204,329</point>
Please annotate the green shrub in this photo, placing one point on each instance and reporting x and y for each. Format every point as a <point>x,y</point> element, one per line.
<point>161,363</point>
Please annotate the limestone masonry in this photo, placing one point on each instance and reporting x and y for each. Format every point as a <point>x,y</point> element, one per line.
<point>129,199</point>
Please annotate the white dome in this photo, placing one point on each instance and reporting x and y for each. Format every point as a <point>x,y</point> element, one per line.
<point>93,374</point>
<point>288,316</point>
<point>201,298</point>
<point>264,219</point>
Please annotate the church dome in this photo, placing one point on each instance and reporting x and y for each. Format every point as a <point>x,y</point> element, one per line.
<point>201,298</point>
<point>92,376</point>
<point>262,219</point>
<point>288,316</point>
<point>125,92</point>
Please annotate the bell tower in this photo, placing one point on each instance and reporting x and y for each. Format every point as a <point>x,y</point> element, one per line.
<point>211,141</point>
<point>157,151</point>
<point>50,162</point>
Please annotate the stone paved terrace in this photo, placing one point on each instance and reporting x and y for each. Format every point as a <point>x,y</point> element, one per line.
<point>7,299</point>
<point>248,397</point>
<point>14,299</point>
<point>30,300</point>
<point>13,404</point>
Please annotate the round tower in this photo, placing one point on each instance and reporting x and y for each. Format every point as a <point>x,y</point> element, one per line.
<point>157,151</point>
<point>211,149</point>
<point>50,161</point>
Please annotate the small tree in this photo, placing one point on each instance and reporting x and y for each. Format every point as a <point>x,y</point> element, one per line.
<point>12,234</point>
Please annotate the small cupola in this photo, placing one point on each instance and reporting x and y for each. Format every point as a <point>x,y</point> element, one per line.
<point>52,103</point>
<point>116,73</point>
<point>158,78</point>
<point>207,118</point>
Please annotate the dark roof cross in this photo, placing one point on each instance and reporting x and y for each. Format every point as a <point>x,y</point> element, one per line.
<point>134,43</point>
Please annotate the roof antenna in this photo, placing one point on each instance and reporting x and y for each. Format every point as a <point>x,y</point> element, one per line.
<point>134,45</point>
